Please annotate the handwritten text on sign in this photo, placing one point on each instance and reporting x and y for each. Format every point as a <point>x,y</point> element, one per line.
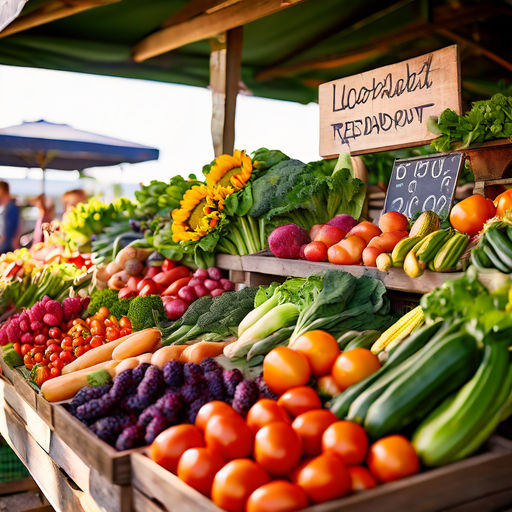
<point>388,107</point>
<point>425,183</point>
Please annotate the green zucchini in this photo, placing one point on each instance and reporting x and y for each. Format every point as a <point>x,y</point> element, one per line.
<point>364,340</point>
<point>346,338</point>
<point>436,372</point>
<point>341,404</point>
<point>497,263</point>
<point>264,346</point>
<point>479,259</point>
<point>444,435</point>
<point>501,245</point>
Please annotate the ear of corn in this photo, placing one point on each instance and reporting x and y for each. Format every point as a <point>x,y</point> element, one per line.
<point>399,330</point>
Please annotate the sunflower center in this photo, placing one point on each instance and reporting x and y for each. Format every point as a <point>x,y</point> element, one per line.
<point>226,179</point>
<point>197,214</point>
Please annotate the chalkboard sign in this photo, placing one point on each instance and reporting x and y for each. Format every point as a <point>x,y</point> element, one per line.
<point>424,183</point>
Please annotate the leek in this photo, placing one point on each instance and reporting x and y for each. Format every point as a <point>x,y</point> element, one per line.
<point>258,313</point>
<point>283,315</point>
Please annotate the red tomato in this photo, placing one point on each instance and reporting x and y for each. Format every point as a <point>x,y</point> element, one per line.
<point>320,348</point>
<point>17,347</point>
<point>54,372</point>
<point>235,482</point>
<point>42,374</point>
<point>229,436</point>
<point>96,341</point>
<point>55,333</point>
<point>470,215</point>
<point>25,348</point>
<point>311,426</point>
<point>392,458</point>
<point>347,252</point>
<point>39,357</point>
<point>198,466</point>
<point>348,440</point>
<point>170,445</point>
<point>503,202</point>
<point>370,255</point>
<point>327,385</point>
<point>283,369</point>
<point>125,323</point>
<point>264,412</point>
<point>277,447</point>
<point>207,411</point>
<point>324,478</point>
<point>277,496</point>
<point>315,251</point>
<point>393,221</point>
<point>353,366</point>
<point>58,363</point>
<point>151,272</point>
<point>329,235</point>
<point>365,230</point>
<point>361,479</point>
<point>66,356</point>
<point>299,400</point>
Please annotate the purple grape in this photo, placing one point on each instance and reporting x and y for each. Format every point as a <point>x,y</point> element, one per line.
<point>215,384</point>
<point>95,409</point>
<point>122,384</point>
<point>192,391</point>
<point>147,415</point>
<point>107,429</point>
<point>139,371</point>
<point>170,406</point>
<point>265,391</point>
<point>210,365</point>
<point>192,371</point>
<point>149,389</point>
<point>231,380</point>
<point>130,437</point>
<point>194,408</point>
<point>157,425</point>
<point>88,393</point>
<point>246,395</point>
<point>173,374</point>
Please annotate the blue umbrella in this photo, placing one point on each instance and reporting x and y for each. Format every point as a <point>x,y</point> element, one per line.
<point>60,146</point>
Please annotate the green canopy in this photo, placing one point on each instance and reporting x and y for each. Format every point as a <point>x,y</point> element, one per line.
<point>286,54</point>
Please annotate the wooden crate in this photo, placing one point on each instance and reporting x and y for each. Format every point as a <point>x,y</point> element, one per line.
<point>67,482</point>
<point>482,482</point>
<point>111,464</point>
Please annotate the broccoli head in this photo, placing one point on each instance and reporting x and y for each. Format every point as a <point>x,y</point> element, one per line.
<point>101,298</point>
<point>144,312</point>
<point>120,308</point>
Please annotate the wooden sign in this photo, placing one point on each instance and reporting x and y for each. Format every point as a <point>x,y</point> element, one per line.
<point>424,183</point>
<point>388,107</point>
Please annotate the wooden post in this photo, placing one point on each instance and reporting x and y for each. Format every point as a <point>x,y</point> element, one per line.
<point>225,64</point>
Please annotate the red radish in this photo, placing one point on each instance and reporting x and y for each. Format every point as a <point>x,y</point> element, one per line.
<point>227,285</point>
<point>343,221</point>
<point>314,231</point>
<point>315,251</point>
<point>329,235</point>
<point>144,282</point>
<point>133,281</point>
<point>217,292</point>
<point>127,293</point>
<point>301,252</point>
<point>285,241</point>
<point>211,284</point>
<point>175,309</point>
<point>201,273</point>
<point>195,281</point>
<point>187,293</point>
<point>152,272</point>
<point>150,288</point>
<point>214,273</point>
<point>200,290</point>
<point>168,265</point>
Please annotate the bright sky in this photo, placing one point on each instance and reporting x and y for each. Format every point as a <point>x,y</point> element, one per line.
<point>173,118</point>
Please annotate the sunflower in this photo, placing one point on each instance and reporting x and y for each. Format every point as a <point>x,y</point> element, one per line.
<point>199,212</point>
<point>228,170</point>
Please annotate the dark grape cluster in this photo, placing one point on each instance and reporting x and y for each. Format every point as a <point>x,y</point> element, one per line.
<point>88,393</point>
<point>192,372</point>
<point>173,374</point>
<point>139,372</point>
<point>194,408</point>
<point>130,437</point>
<point>209,364</point>
<point>157,425</point>
<point>149,389</point>
<point>170,405</point>
<point>215,384</point>
<point>121,386</point>
<point>94,409</point>
<point>231,380</point>
<point>265,391</point>
<point>108,429</point>
<point>246,395</point>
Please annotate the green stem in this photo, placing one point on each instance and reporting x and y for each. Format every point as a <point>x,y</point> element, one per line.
<point>262,227</point>
<point>249,230</point>
<point>226,246</point>
<point>237,240</point>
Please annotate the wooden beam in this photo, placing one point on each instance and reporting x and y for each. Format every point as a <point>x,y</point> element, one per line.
<point>191,10</point>
<point>206,26</point>
<point>225,65</point>
<point>51,12</point>
<point>442,16</point>
<point>474,47</point>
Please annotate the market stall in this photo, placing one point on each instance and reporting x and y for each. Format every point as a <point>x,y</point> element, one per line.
<point>251,338</point>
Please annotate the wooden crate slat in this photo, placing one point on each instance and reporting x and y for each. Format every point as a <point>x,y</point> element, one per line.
<point>441,488</point>
<point>141,503</point>
<point>7,371</point>
<point>114,466</point>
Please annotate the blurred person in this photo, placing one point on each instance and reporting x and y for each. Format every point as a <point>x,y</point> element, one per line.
<point>72,197</point>
<point>46,208</point>
<point>9,236</point>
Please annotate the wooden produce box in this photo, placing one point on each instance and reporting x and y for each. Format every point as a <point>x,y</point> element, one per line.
<point>480,483</point>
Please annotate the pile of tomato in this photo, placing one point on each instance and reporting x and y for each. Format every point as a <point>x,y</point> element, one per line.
<point>55,347</point>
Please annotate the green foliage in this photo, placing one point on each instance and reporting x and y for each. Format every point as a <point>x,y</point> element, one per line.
<point>487,120</point>
<point>145,312</point>
<point>120,308</point>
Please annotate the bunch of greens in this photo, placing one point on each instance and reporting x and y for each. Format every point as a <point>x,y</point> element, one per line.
<point>160,198</point>
<point>487,120</point>
<point>212,318</point>
<point>90,218</point>
<point>467,299</point>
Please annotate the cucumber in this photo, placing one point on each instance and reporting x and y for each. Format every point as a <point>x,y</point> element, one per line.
<point>443,436</point>
<point>363,340</point>
<point>431,244</point>
<point>479,259</point>
<point>501,245</point>
<point>436,372</point>
<point>509,233</point>
<point>346,338</point>
<point>495,259</point>
<point>341,404</point>
<point>264,346</point>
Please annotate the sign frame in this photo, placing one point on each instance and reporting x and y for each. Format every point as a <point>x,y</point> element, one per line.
<point>388,107</point>
<point>387,207</point>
